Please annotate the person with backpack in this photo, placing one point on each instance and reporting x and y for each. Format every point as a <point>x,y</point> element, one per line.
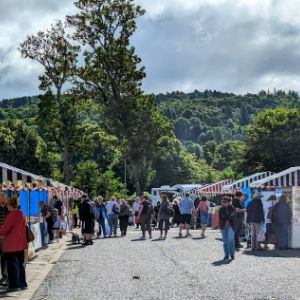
<point>166,211</point>
<point>123,217</point>
<point>87,216</point>
<point>145,214</point>
<point>113,211</point>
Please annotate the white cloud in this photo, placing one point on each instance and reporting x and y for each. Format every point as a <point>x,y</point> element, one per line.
<point>228,45</point>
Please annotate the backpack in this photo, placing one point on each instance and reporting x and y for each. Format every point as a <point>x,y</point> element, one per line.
<point>148,208</point>
<point>116,209</point>
<point>170,211</point>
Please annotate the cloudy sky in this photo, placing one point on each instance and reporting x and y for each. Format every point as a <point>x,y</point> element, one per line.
<point>229,45</point>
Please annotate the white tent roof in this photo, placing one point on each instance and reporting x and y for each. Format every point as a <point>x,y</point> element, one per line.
<point>289,177</point>
<point>246,181</point>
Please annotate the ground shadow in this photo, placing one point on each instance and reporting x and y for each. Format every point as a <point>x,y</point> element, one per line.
<point>198,238</point>
<point>79,246</point>
<point>158,240</point>
<point>138,240</point>
<point>222,262</point>
<point>274,253</point>
<point>219,239</point>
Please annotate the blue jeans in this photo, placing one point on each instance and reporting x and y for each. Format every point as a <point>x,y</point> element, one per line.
<point>43,233</point>
<point>228,240</point>
<point>113,223</point>
<point>102,225</point>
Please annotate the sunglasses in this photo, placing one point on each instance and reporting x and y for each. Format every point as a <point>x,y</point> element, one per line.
<point>225,201</point>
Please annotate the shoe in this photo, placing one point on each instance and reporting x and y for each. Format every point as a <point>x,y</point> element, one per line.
<point>91,242</point>
<point>85,244</point>
<point>226,257</point>
<point>239,246</point>
<point>232,257</point>
<point>150,237</point>
<point>24,288</point>
<point>142,238</point>
<point>165,237</point>
<point>180,234</point>
<point>4,283</point>
<point>161,237</point>
<point>3,279</point>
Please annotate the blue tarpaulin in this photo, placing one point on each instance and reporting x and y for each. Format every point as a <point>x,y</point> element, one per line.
<point>35,197</point>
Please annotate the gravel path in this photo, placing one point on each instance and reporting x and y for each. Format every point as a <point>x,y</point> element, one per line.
<point>187,268</point>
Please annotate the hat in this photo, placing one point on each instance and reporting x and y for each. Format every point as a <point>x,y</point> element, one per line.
<point>258,195</point>
<point>272,198</point>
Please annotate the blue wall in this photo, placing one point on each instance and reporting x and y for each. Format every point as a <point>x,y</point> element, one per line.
<point>35,197</point>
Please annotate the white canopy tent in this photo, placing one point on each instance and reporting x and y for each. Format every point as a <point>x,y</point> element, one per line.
<point>289,177</point>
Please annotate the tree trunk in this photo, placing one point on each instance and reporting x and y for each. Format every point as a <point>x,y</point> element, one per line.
<point>66,158</point>
<point>136,177</point>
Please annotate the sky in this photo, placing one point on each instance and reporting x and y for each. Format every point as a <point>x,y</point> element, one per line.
<point>235,46</point>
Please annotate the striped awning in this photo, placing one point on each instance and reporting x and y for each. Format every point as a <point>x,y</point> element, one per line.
<point>214,189</point>
<point>289,177</point>
<point>15,179</point>
<point>245,182</point>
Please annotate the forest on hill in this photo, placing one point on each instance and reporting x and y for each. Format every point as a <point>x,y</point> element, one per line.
<point>210,140</point>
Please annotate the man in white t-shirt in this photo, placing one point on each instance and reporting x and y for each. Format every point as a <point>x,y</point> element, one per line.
<point>113,211</point>
<point>136,208</point>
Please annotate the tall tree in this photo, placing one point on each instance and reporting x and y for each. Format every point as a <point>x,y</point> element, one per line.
<point>58,57</point>
<point>113,75</point>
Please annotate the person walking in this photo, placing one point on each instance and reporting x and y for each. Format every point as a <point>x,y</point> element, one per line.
<point>165,213</point>
<point>47,213</point>
<point>144,217</point>
<point>136,208</point>
<point>187,208</point>
<point>177,216</point>
<point>123,217</point>
<point>101,216</point>
<point>14,245</point>
<point>227,217</point>
<point>113,211</point>
<point>255,217</point>
<point>203,211</point>
<point>238,204</point>
<point>281,219</point>
<point>3,214</point>
<point>87,217</point>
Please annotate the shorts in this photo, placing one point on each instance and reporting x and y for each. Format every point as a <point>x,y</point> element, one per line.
<point>186,219</point>
<point>203,217</point>
<point>88,227</point>
<point>136,213</point>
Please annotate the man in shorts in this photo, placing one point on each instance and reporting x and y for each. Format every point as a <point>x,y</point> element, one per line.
<point>187,208</point>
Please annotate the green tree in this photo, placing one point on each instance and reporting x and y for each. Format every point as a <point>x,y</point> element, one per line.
<point>23,148</point>
<point>273,140</point>
<point>53,50</point>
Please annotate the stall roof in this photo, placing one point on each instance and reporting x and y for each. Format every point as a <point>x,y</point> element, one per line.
<point>213,189</point>
<point>246,181</point>
<point>289,177</point>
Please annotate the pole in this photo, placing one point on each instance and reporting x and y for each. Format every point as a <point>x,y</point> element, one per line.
<point>28,207</point>
<point>125,172</point>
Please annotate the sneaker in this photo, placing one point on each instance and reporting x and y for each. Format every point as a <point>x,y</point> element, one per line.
<point>142,238</point>
<point>150,237</point>
<point>226,257</point>
<point>86,243</point>
<point>3,279</point>
<point>239,246</point>
<point>161,237</point>
<point>12,290</point>
<point>232,257</point>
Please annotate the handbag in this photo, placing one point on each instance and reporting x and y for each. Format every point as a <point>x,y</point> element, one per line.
<point>29,234</point>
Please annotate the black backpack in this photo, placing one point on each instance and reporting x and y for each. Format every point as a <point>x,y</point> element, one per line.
<point>116,209</point>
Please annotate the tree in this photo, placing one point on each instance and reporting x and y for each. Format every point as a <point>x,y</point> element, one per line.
<point>113,76</point>
<point>21,147</point>
<point>244,115</point>
<point>53,50</point>
<point>273,140</point>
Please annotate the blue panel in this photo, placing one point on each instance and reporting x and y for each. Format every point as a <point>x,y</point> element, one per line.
<point>247,190</point>
<point>35,197</point>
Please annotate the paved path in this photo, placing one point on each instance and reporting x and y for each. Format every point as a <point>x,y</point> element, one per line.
<point>187,268</point>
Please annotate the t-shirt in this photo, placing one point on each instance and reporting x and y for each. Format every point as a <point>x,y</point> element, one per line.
<point>237,204</point>
<point>203,206</point>
<point>186,206</point>
<point>109,205</point>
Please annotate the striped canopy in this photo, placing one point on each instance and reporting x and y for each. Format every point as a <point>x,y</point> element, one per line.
<point>245,182</point>
<point>289,177</point>
<point>214,189</point>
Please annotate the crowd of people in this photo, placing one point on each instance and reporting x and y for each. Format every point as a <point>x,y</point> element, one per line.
<point>258,223</point>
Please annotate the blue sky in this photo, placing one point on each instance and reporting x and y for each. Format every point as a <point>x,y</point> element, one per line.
<point>229,45</point>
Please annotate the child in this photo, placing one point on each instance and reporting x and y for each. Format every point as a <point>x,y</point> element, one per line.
<point>57,224</point>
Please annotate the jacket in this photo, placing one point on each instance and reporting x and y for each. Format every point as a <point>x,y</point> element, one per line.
<point>227,214</point>
<point>282,214</point>
<point>255,211</point>
<point>14,232</point>
<point>163,214</point>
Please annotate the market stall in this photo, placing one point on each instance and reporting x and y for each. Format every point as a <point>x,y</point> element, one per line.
<point>285,183</point>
